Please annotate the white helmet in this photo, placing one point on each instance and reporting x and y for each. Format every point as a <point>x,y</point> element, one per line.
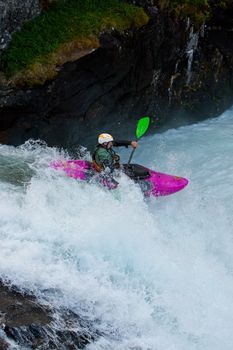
<point>104,138</point>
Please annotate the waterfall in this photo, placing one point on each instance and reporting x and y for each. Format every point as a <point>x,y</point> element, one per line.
<point>173,77</point>
<point>191,47</point>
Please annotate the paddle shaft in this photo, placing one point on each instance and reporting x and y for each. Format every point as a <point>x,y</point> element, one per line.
<point>132,153</point>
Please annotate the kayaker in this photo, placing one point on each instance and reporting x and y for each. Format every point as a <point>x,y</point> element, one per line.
<point>104,157</point>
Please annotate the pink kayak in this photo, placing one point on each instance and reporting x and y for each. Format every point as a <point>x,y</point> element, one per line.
<point>151,182</point>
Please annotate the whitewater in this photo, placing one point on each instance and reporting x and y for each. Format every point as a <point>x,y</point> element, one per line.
<point>146,274</point>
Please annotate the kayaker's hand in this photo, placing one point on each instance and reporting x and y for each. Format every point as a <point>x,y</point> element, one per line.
<point>134,144</point>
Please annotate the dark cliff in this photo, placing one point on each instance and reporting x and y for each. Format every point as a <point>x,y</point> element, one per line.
<point>169,69</point>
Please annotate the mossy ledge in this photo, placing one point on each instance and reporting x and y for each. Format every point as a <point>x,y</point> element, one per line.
<point>65,31</point>
<point>197,10</point>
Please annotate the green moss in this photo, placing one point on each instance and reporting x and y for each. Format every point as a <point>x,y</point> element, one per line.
<point>225,4</point>
<point>197,10</point>
<point>65,21</point>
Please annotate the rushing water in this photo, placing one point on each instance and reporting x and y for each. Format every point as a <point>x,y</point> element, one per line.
<point>150,275</point>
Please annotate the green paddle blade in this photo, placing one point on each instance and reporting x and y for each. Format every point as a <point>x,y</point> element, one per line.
<point>142,127</point>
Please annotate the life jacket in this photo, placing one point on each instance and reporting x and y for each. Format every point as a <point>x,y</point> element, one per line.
<point>96,167</point>
<point>114,159</point>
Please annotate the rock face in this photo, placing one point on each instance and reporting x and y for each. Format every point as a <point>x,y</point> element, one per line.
<point>31,325</point>
<point>19,313</point>
<point>168,70</point>
<point>13,13</point>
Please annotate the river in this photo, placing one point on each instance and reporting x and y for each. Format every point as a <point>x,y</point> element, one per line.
<point>148,274</point>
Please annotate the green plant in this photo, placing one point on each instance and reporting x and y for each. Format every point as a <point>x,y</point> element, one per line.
<point>65,21</point>
<point>197,10</point>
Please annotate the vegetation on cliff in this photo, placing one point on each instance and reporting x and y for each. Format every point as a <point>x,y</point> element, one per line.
<point>68,29</point>
<point>197,10</point>
<point>64,31</point>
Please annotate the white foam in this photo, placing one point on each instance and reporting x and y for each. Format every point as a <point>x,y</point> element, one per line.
<point>150,275</point>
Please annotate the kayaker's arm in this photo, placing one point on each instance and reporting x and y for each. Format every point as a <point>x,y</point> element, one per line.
<point>120,143</point>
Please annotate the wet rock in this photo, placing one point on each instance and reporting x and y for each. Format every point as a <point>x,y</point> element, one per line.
<point>30,324</point>
<point>17,310</point>
<point>13,13</point>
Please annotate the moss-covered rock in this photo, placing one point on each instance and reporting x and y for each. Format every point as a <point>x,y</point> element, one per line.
<point>67,26</point>
<point>197,10</point>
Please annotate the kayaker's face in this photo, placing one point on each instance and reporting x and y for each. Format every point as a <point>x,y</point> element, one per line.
<point>109,145</point>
